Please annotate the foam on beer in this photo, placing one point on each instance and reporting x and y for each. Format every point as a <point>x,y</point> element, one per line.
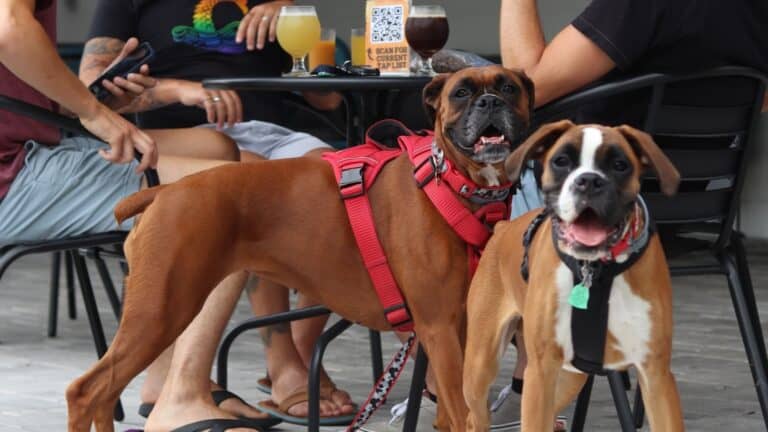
<point>426,12</point>
<point>298,11</point>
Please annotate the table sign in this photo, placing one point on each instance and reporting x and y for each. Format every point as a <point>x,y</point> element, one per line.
<point>385,44</point>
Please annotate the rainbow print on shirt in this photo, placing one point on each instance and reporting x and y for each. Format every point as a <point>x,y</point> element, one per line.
<point>204,34</point>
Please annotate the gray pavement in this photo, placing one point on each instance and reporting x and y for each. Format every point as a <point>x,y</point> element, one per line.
<point>708,358</point>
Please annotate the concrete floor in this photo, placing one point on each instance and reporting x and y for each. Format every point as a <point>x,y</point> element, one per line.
<point>708,361</point>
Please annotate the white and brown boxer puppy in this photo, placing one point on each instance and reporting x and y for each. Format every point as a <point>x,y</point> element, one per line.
<point>591,181</point>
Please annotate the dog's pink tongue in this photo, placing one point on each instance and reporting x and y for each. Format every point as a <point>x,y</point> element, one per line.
<point>588,232</point>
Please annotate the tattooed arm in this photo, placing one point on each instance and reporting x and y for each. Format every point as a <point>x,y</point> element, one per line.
<point>221,106</point>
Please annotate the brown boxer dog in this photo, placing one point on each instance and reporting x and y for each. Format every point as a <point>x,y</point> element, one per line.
<point>284,220</point>
<point>591,181</point>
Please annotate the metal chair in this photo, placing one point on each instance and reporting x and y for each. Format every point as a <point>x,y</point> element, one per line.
<point>94,245</point>
<point>704,123</point>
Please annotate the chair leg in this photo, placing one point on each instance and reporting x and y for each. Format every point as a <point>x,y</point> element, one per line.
<point>109,287</point>
<point>743,298</point>
<point>582,405</point>
<point>53,300</point>
<point>93,315</point>
<point>639,408</point>
<point>314,371</point>
<point>70,276</point>
<point>418,382</point>
<point>621,401</point>
<point>625,380</point>
<point>376,361</point>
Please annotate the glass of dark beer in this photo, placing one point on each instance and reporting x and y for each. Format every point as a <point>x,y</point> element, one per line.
<point>426,31</point>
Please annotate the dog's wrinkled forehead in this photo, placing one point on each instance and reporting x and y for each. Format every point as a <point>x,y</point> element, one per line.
<point>589,145</point>
<point>489,79</point>
<point>441,93</point>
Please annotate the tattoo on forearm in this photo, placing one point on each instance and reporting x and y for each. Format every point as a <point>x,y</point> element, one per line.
<point>146,101</point>
<point>103,46</point>
<point>267,332</point>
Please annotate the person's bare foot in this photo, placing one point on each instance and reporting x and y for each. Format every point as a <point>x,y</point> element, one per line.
<point>340,397</point>
<point>290,380</point>
<point>169,415</point>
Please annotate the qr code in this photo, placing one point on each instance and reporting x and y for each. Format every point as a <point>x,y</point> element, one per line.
<point>387,24</point>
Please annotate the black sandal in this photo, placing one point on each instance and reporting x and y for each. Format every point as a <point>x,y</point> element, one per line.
<point>221,425</point>
<point>220,396</point>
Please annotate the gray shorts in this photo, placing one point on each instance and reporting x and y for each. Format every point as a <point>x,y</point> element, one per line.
<point>270,140</point>
<point>65,191</point>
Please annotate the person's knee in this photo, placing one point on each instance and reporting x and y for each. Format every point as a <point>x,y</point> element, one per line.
<point>222,147</point>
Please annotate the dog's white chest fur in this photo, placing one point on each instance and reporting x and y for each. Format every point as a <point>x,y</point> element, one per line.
<point>628,320</point>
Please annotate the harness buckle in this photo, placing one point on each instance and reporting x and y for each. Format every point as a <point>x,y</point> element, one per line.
<point>351,183</point>
<point>423,176</point>
<point>398,315</point>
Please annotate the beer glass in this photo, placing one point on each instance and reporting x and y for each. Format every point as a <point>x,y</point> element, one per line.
<point>324,51</point>
<point>298,30</point>
<point>357,43</point>
<point>426,31</point>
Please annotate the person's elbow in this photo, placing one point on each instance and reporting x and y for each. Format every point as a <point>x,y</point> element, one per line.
<point>14,20</point>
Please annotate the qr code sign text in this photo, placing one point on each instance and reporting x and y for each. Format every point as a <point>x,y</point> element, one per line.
<point>387,24</point>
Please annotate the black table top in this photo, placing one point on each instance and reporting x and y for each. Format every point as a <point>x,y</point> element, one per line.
<point>319,84</point>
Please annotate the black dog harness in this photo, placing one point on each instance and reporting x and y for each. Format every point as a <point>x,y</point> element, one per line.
<point>589,325</point>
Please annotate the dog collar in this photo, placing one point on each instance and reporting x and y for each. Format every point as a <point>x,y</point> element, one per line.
<point>443,170</point>
<point>593,281</point>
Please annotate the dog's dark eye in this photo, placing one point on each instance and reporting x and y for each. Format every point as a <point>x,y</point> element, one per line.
<point>561,161</point>
<point>509,89</point>
<point>620,165</point>
<point>461,93</point>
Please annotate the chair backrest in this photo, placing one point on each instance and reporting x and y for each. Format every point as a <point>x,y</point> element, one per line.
<point>704,122</point>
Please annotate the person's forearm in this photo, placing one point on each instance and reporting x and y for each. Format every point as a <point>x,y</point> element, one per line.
<point>27,51</point>
<point>521,38</point>
<point>165,92</point>
<point>98,53</point>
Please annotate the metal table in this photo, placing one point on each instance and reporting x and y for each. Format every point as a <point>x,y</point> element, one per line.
<point>362,95</point>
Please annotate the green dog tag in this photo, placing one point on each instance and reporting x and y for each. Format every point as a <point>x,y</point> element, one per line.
<point>579,297</point>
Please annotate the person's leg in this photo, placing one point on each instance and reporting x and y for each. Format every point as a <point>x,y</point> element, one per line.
<point>284,364</point>
<point>197,143</point>
<point>186,394</point>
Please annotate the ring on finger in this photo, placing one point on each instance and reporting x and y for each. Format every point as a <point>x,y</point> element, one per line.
<point>216,99</point>
<point>266,18</point>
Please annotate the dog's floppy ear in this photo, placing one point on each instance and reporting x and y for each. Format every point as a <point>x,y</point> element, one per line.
<point>431,95</point>
<point>529,89</point>
<point>651,156</point>
<point>534,147</point>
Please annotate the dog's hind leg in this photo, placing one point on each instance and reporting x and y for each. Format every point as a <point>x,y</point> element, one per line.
<point>163,294</point>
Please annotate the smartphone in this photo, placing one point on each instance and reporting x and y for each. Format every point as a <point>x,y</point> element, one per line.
<point>131,63</point>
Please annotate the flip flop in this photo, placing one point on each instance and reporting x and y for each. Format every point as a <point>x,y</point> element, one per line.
<point>280,410</point>
<point>264,385</point>
<point>221,425</point>
<point>220,396</point>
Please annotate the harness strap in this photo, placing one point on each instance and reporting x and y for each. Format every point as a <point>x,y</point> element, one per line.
<point>351,174</point>
<point>473,228</point>
<point>589,327</point>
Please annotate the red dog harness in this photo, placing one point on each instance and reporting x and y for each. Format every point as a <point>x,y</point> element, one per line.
<point>356,169</point>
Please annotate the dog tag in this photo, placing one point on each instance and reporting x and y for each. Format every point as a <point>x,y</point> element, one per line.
<point>579,297</point>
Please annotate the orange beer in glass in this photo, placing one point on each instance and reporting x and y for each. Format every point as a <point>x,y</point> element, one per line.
<point>324,51</point>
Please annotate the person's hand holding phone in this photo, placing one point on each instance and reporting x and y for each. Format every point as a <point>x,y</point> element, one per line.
<point>124,90</point>
<point>222,107</point>
<point>123,137</point>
